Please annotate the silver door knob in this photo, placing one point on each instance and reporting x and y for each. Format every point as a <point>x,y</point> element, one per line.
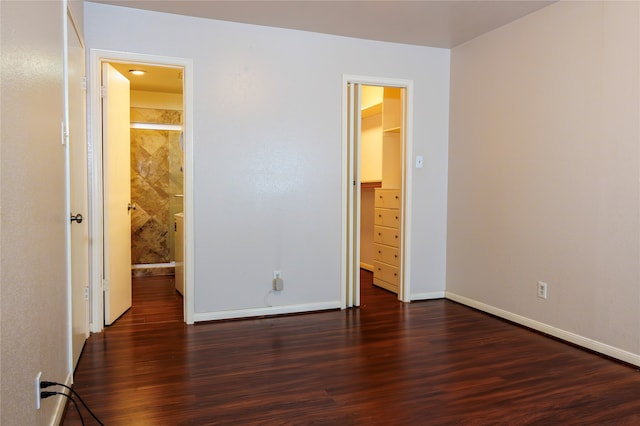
<point>77,218</point>
<point>131,206</point>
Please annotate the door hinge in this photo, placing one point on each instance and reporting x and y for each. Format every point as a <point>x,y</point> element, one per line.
<point>105,285</point>
<point>86,293</point>
<point>83,83</point>
<point>65,132</point>
<point>103,92</point>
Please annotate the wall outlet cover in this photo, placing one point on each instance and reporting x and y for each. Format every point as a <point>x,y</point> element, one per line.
<point>38,390</point>
<point>542,290</point>
<point>278,284</point>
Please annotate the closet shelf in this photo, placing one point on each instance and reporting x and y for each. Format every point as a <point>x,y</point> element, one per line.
<point>371,110</point>
<point>370,184</point>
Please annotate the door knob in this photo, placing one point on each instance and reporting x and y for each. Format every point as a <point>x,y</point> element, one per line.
<point>77,218</point>
<point>131,206</point>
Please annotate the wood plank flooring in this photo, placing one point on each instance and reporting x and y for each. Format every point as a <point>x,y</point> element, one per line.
<point>386,363</point>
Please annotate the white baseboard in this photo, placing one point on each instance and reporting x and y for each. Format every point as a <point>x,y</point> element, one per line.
<point>427,296</point>
<point>270,310</point>
<point>567,336</point>
<point>59,411</point>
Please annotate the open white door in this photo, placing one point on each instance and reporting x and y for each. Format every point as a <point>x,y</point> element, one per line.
<point>117,193</point>
<point>353,194</point>
<point>78,203</point>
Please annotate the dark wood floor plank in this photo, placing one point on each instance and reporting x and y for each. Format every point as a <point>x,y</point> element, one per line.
<point>386,363</point>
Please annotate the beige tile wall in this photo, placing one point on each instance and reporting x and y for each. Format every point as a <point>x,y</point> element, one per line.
<point>156,176</point>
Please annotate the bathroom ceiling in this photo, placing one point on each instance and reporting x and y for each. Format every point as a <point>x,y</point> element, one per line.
<point>434,23</point>
<point>155,79</point>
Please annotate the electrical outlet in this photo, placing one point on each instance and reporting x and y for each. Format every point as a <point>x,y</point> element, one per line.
<point>542,290</point>
<point>278,284</point>
<point>37,383</point>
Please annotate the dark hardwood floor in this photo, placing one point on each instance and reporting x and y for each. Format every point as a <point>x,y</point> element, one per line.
<point>386,363</point>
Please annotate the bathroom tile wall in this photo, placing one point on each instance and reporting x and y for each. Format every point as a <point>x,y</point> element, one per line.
<point>156,177</point>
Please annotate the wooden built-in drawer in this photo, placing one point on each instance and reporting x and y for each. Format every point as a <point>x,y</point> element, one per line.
<point>387,236</point>
<point>388,198</point>
<point>387,217</point>
<point>387,273</point>
<point>386,254</point>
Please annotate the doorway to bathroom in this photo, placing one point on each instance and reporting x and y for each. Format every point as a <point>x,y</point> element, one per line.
<point>156,170</point>
<point>142,178</point>
<point>157,165</point>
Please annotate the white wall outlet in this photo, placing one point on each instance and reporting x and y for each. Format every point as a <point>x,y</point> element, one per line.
<point>277,282</point>
<point>38,390</point>
<point>419,161</point>
<point>542,290</point>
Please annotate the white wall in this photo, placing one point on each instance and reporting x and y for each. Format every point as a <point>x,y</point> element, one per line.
<point>33,219</point>
<point>268,150</point>
<point>544,172</point>
<point>160,100</point>
<point>77,11</point>
<point>371,148</point>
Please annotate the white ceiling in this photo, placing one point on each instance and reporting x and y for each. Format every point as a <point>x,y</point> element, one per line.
<point>434,23</point>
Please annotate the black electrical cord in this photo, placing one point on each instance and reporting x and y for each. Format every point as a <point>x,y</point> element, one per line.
<point>46,384</point>
<point>47,394</point>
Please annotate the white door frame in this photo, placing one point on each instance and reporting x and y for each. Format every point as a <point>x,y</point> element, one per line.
<point>348,284</point>
<point>70,26</point>
<point>97,57</point>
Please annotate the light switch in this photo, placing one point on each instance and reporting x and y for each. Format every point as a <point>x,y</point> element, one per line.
<point>419,162</point>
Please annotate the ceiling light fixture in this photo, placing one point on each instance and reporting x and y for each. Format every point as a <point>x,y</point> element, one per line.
<point>137,72</point>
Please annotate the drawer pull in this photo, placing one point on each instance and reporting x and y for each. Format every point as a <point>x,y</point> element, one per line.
<point>379,233</point>
<point>395,274</point>
<point>396,217</point>
<point>395,255</point>
<point>397,197</point>
<point>396,236</point>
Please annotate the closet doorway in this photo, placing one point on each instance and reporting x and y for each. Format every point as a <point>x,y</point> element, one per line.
<point>377,142</point>
<point>150,124</point>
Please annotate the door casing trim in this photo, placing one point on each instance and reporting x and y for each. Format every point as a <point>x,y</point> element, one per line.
<point>96,206</point>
